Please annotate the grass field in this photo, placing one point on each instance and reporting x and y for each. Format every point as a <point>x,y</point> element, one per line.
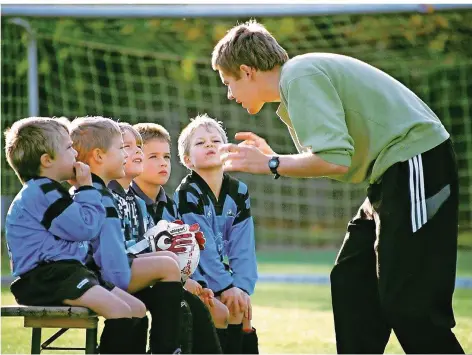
<point>290,318</point>
<point>312,261</point>
<point>320,261</point>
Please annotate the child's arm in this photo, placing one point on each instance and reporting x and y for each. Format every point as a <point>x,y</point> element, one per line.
<point>241,247</point>
<point>198,277</point>
<point>210,262</point>
<point>73,219</point>
<point>109,248</point>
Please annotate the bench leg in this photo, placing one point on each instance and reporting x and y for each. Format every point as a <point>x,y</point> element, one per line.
<point>91,341</point>
<point>36,341</point>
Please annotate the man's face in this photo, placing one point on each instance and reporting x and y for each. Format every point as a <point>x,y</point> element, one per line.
<point>244,90</point>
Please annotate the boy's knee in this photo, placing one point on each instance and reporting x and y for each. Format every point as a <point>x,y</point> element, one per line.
<point>139,309</point>
<point>119,310</point>
<point>171,269</point>
<point>170,255</point>
<point>220,316</point>
<point>236,318</point>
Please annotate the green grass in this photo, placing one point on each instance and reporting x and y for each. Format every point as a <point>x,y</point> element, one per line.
<point>298,319</point>
<point>305,262</point>
<point>282,260</point>
<point>321,261</point>
<point>292,318</point>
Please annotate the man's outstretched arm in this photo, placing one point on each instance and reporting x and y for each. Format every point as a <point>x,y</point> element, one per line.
<point>249,157</point>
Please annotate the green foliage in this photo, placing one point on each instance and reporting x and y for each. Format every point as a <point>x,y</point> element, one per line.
<point>159,69</point>
<point>439,36</point>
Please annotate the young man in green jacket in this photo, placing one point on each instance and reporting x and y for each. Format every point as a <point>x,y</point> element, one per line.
<point>354,123</point>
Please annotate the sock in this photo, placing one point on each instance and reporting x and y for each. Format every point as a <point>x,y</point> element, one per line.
<point>186,328</point>
<point>117,335</point>
<point>223,336</point>
<point>147,297</point>
<point>205,338</point>
<point>234,339</point>
<point>140,335</point>
<point>165,312</point>
<point>250,342</point>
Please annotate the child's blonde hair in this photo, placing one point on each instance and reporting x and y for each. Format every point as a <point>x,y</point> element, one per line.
<point>126,127</point>
<point>28,139</point>
<point>150,131</point>
<point>250,44</point>
<point>187,133</point>
<point>91,132</point>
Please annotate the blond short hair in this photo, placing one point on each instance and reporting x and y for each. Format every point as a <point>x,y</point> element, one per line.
<point>150,131</point>
<point>28,139</point>
<point>126,127</point>
<point>251,44</point>
<point>187,133</point>
<point>91,132</point>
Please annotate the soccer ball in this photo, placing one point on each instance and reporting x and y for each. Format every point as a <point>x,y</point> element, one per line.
<point>179,239</point>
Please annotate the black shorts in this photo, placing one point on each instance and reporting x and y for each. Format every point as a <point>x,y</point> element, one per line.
<point>49,284</point>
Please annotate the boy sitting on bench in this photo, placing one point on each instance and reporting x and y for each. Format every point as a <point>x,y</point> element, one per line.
<point>48,231</point>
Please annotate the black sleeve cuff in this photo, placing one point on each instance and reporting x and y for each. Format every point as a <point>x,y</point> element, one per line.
<point>84,188</point>
<point>218,293</point>
<point>203,284</point>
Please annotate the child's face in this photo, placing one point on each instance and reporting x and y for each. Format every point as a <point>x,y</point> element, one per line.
<point>114,159</point>
<point>63,164</point>
<point>157,165</point>
<point>244,90</point>
<point>134,161</point>
<point>203,152</point>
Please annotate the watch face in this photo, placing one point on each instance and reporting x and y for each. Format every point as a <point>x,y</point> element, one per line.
<point>272,163</point>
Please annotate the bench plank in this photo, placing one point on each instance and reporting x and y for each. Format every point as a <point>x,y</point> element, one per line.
<point>41,311</point>
<point>62,322</point>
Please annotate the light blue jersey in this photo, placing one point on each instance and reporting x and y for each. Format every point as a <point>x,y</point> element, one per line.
<point>162,208</point>
<point>228,228</point>
<point>109,252</point>
<point>44,224</point>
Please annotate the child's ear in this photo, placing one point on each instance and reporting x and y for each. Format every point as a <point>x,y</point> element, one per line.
<point>46,160</point>
<point>97,155</point>
<point>188,162</point>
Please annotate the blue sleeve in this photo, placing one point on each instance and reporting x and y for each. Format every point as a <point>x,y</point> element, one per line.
<point>212,269</point>
<point>168,216</point>
<point>109,248</point>
<point>73,219</point>
<point>242,255</point>
<point>197,276</point>
<point>146,217</point>
<point>176,210</point>
<point>171,212</point>
<point>242,250</point>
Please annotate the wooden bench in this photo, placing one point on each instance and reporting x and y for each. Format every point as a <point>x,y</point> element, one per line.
<point>64,318</point>
<point>38,317</point>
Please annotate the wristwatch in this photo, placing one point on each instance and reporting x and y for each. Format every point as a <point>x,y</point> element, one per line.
<point>273,165</point>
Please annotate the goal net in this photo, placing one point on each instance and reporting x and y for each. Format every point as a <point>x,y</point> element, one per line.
<point>158,70</point>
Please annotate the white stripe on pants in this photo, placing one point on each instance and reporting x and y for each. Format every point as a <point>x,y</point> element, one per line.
<point>417,193</point>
